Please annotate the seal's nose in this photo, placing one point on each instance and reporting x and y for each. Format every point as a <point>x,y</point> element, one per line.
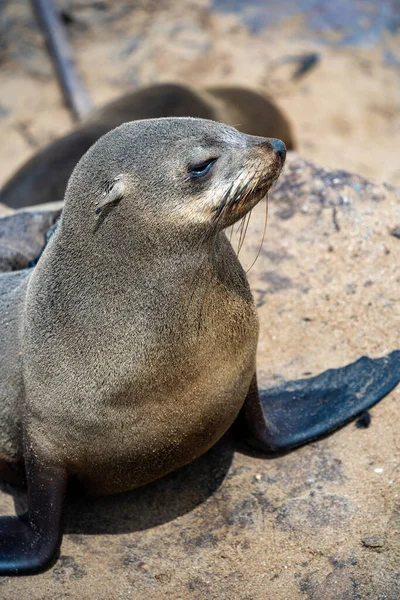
<point>279,148</point>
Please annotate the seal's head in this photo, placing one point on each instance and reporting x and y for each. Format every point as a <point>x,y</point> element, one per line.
<point>179,173</point>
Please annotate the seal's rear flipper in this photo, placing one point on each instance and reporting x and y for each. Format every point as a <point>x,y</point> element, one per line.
<point>297,412</point>
<point>30,543</point>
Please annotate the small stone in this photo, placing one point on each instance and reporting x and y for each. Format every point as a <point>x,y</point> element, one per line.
<point>396,231</point>
<point>373,542</point>
<point>364,420</point>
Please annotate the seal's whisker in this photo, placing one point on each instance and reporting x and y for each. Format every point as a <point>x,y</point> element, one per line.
<point>247,221</point>
<point>229,198</point>
<point>240,243</point>
<point>235,197</point>
<point>238,192</point>
<point>263,235</point>
<point>223,202</point>
<point>240,231</point>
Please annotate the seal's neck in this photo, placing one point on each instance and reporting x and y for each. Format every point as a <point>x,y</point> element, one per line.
<point>108,246</point>
<point>182,287</point>
<point>100,261</point>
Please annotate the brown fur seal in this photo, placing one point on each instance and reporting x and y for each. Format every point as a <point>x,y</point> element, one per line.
<point>131,347</point>
<point>44,177</point>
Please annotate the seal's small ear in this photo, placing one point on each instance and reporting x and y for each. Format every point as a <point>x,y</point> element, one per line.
<point>113,192</point>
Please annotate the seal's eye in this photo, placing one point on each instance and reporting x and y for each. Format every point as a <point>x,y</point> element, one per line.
<point>202,168</point>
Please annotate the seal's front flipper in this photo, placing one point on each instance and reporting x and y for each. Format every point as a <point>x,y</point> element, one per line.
<point>30,543</point>
<point>297,412</point>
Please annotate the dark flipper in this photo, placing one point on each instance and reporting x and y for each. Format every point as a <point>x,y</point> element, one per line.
<point>297,412</point>
<point>30,543</point>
